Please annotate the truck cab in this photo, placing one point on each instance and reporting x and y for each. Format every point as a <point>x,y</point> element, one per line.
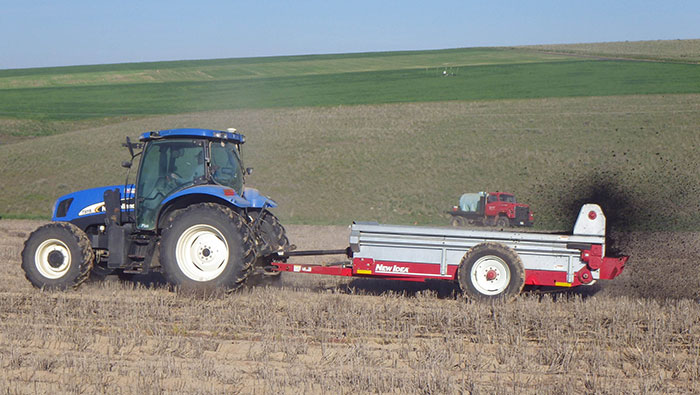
<point>504,205</point>
<point>491,209</point>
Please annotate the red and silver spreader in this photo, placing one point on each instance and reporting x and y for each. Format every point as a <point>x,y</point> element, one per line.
<point>485,264</point>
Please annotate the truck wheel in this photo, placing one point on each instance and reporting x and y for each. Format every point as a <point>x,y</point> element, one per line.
<point>207,246</point>
<point>502,222</point>
<point>458,221</point>
<point>490,271</point>
<point>57,256</point>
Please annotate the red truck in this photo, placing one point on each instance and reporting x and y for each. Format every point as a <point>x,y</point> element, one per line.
<point>491,209</point>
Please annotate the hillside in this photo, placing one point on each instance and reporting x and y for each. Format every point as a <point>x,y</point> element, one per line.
<point>408,162</point>
<point>35,102</point>
<point>687,51</point>
<point>336,138</point>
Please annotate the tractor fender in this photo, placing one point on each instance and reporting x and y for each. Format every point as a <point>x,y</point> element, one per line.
<point>257,200</point>
<point>251,197</point>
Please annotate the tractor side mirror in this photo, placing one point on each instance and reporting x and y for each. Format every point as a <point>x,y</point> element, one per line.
<point>248,170</point>
<point>126,164</point>
<point>131,149</point>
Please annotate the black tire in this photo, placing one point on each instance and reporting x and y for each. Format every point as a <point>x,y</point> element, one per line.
<point>458,221</point>
<point>207,246</point>
<point>502,222</point>
<point>57,256</point>
<point>271,237</point>
<point>270,234</point>
<point>491,271</point>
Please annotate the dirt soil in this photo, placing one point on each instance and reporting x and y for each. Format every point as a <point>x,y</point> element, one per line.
<point>639,333</point>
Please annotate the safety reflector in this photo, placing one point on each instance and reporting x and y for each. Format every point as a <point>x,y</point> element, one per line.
<point>560,284</point>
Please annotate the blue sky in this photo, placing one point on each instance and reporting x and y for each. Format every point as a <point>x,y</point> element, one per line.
<point>56,33</point>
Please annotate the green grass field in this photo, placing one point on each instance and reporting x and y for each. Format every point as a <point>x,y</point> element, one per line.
<point>511,81</point>
<point>384,136</point>
<point>88,92</point>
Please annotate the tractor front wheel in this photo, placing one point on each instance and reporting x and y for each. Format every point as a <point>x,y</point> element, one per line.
<point>57,256</point>
<point>207,246</point>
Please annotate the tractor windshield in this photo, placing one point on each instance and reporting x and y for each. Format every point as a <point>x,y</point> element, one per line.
<point>166,166</point>
<point>225,168</point>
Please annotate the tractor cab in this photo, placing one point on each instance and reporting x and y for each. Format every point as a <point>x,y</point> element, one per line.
<point>175,160</point>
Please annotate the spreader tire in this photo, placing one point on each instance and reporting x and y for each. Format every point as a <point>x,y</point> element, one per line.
<point>207,246</point>
<point>491,271</point>
<point>57,256</point>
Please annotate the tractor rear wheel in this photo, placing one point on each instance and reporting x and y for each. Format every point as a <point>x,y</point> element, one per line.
<point>272,237</point>
<point>491,271</point>
<point>207,246</point>
<point>57,256</point>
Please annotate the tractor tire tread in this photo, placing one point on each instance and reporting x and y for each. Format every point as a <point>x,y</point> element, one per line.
<point>248,251</point>
<point>82,241</point>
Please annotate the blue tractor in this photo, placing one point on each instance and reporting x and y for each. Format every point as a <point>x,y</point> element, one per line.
<point>189,204</point>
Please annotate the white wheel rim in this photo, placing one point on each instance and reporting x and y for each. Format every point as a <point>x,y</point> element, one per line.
<point>52,259</point>
<point>202,253</point>
<point>490,275</point>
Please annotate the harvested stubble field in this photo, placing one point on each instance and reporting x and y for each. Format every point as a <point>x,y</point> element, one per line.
<point>306,334</point>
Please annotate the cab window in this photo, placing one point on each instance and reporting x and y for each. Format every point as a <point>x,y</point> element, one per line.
<point>225,167</point>
<point>166,167</point>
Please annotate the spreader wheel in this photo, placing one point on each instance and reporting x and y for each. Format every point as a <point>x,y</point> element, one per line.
<point>490,271</point>
<point>207,246</point>
<point>57,256</point>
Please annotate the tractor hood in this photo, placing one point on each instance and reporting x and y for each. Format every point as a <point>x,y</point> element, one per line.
<point>85,208</point>
<point>85,203</point>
